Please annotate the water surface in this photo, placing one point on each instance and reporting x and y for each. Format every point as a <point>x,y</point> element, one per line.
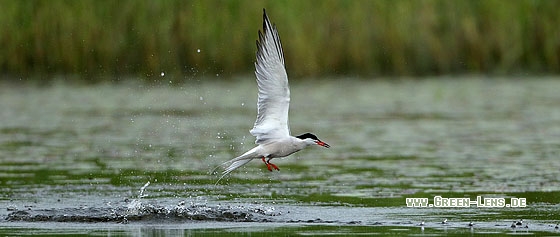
<point>131,159</point>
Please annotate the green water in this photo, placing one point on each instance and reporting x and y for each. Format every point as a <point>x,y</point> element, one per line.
<point>74,158</point>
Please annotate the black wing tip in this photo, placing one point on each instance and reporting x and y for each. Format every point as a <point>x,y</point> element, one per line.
<point>269,28</point>
<point>266,22</point>
<point>264,29</point>
<point>262,34</point>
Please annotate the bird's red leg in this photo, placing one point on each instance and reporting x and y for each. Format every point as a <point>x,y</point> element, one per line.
<point>273,165</point>
<point>269,165</point>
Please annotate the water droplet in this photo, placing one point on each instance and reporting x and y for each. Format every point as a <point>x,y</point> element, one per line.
<point>198,50</point>
<point>201,98</point>
<point>162,74</point>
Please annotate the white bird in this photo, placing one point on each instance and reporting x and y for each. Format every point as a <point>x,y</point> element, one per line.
<point>271,127</point>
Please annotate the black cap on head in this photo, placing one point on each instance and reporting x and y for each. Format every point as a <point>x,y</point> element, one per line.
<point>307,135</point>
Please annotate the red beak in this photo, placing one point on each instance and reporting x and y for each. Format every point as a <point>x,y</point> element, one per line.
<point>323,144</point>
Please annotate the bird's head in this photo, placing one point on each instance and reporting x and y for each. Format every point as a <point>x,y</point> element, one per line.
<point>311,139</point>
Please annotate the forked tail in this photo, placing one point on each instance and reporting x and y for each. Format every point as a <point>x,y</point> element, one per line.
<point>235,163</point>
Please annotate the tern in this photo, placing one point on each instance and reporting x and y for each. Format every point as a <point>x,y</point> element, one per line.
<point>271,127</point>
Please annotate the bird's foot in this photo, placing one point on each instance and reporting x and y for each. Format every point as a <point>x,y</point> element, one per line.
<point>269,165</point>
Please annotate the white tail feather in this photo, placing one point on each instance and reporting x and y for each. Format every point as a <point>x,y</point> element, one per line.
<point>236,163</point>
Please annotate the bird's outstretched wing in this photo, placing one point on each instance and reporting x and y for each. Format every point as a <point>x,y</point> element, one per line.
<point>274,92</point>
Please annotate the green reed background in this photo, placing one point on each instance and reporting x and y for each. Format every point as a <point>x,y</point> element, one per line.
<point>95,39</point>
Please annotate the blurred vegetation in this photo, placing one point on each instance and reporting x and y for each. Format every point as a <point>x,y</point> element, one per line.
<point>95,39</point>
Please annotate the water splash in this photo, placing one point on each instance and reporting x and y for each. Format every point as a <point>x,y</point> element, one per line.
<point>141,195</point>
<point>135,210</point>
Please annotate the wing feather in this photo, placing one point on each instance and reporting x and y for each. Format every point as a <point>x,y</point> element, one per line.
<point>272,81</point>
